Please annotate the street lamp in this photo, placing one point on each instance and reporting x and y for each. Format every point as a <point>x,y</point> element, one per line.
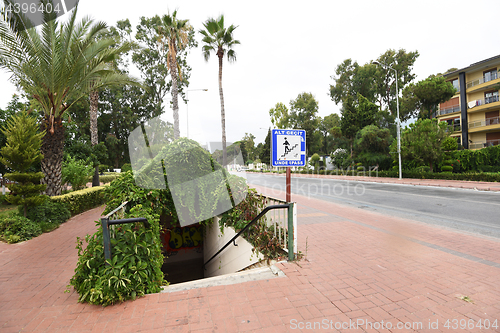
<point>187,107</point>
<point>398,121</point>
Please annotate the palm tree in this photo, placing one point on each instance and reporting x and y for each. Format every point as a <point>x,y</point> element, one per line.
<point>62,62</point>
<point>175,34</point>
<point>219,40</point>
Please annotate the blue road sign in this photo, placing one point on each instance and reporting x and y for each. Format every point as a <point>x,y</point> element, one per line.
<point>288,147</point>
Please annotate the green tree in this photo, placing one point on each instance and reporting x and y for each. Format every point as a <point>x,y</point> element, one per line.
<point>402,62</point>
<point>303,115</point>
<point>248,142</point>
<point>372,146</point>
<point>421,143</point>
<point>355,117</point>
<point>327,127</point>
<point>265,153</point>
<point>61,63</point>
<point>15,105</point>
<point>314,162</point>
<point>280,116</point>
<point>175,34</point>
<point>421,98</point>
<point>18,155</point>
<point>352,79</point>
<point>77,172</point>
<point>219,40</point>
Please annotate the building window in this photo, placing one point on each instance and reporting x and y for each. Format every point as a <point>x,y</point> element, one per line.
<point>455,84</point>
<point>490,75</point>
<point>454,123</point>
<point>491,97</point>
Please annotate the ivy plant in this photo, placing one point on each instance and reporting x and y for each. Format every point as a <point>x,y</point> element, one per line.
<point>134,269</point>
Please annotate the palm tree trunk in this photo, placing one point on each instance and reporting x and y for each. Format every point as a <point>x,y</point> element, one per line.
<point>94,103</point>
<point>175,93</point>
<point>52,150</point>
<point>222,114</point>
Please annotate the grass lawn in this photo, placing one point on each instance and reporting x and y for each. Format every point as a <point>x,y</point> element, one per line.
<point>5,210</point>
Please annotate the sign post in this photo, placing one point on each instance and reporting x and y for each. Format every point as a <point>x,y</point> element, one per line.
<point>288,148</point>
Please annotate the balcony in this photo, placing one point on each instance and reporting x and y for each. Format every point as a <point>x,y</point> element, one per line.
<point>449,109</point>
<point>489,77</point>
<point>486,122</point>
<point>484,144</point>
<point>483,104</point>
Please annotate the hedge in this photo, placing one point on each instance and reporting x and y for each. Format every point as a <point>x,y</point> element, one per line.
<point>108,178</point>
<point>470,176</point>
<point>80,201</point>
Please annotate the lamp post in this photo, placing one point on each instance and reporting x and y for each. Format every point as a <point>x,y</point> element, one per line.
<point>187,107</point>
<point>398,121</point>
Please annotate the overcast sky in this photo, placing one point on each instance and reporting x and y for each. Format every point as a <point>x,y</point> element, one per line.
<point>290,47</point>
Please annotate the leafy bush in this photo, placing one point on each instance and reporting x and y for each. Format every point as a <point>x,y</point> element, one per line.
<point>103,168</point>
<point>126,167</point>
<point>471,176</point>
<point>17,228</point>
<point>489,168</point>
<point>259,234</point>
<point>424,168</point>
<point>49,214</point>
<point>134,269</point>
<point>76,172</point>
<point>80,201</point>
<point>108,178</point>
<point>447,168</point>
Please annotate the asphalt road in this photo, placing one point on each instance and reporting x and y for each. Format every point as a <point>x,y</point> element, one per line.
<point>466,210</point>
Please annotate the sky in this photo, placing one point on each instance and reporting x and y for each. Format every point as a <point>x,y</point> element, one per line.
<point>291,47</point>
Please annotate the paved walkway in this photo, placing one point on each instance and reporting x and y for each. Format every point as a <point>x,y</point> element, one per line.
<point>360,268</point>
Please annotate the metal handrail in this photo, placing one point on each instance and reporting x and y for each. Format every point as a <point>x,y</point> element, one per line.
<point>106,222</point>
<point>264,211</point>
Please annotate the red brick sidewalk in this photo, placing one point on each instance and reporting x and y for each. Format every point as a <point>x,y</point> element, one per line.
<point>358,266</point>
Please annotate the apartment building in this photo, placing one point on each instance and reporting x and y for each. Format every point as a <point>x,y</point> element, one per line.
<point>474,110</point>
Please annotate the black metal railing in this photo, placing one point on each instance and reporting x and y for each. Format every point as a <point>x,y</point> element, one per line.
<point>106,223</point>
<point>289,206</point>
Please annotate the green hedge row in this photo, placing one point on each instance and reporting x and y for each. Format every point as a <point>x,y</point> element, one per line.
<point>471,176</point>
<point>80,201</point>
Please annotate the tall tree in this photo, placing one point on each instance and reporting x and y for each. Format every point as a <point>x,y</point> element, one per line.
<point>280,116</point>
<point>421,98</point>
<point>62,62</point>
<point>326,127</point>
<point>353,79</point>
<point>219,40</point>
<point>355,117</point>
<point>402,62</point>
<point>303,115</point>
<point>175,34</point>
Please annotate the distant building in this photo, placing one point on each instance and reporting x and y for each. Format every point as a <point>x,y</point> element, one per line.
<point>474,110</point>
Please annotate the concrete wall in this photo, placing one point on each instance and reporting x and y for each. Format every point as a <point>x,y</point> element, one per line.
<point>233,258</point>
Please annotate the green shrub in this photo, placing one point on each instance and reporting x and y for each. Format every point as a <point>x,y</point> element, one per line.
<point>108,178</point>
<point>489,168</point>
<point>126,167</point>
<point>447,168</point>
<point>134,269</point>
<point>424,168</point>
<point>80,201</point>
<point>76,172</point>
<point>103,168</point>
<point>17,228</point>
<point>49,212</point>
